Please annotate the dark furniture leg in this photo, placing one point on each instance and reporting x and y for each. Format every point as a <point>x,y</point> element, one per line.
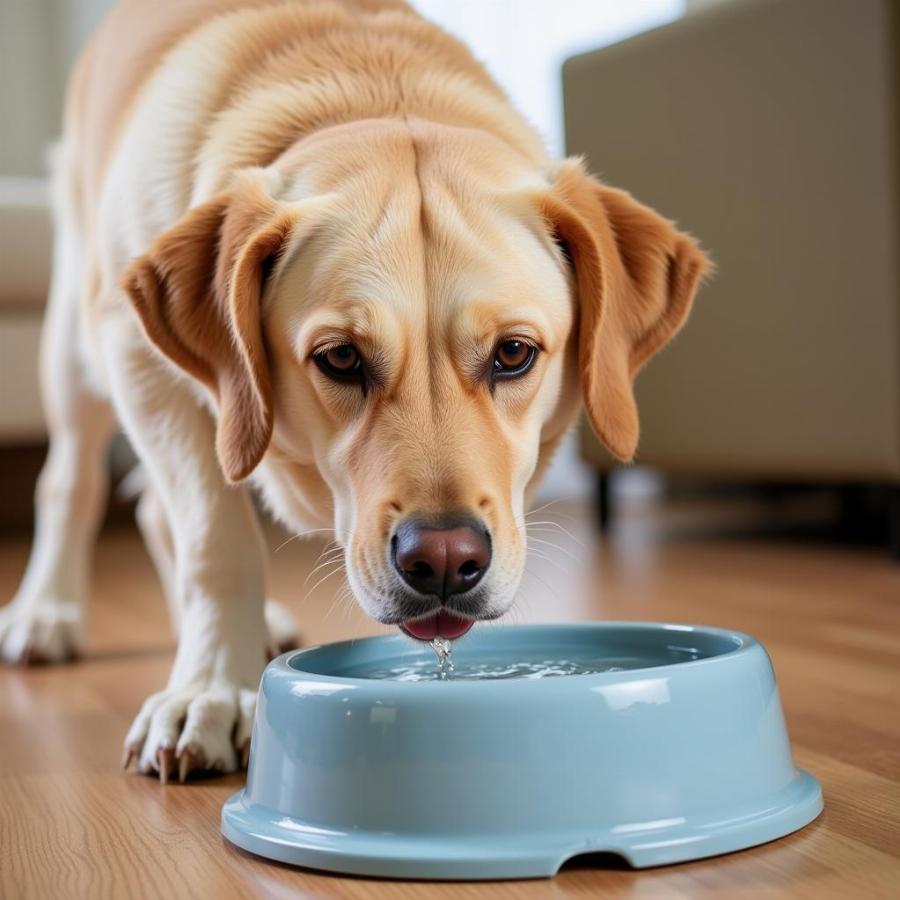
<point>604,512</point>
<point>894,521</point>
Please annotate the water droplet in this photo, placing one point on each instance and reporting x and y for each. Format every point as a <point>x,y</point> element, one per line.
<point>443,648</point>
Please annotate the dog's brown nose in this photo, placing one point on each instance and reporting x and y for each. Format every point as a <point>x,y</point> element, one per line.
<point>441,560</point>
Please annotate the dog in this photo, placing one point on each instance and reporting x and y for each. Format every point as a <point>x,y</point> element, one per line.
<point>310,248</point>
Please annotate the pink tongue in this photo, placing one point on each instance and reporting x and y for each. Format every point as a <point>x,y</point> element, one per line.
<point>444,624</point>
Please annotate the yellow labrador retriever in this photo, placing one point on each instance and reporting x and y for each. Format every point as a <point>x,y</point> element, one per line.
<point>310,245</point>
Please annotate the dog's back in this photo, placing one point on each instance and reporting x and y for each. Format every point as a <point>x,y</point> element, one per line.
<point>279,68</point>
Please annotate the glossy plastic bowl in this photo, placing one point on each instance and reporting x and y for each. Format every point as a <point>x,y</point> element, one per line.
<point>684,757</point>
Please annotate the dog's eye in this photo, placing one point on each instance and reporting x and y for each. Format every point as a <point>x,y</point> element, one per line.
<point>513,358</point>
<point>342,363</point>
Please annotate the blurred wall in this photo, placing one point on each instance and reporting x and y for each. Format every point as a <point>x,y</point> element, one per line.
<point>39,40</point>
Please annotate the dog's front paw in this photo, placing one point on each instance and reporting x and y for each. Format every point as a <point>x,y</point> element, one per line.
<point>199,728</point>
<point>43,631</point>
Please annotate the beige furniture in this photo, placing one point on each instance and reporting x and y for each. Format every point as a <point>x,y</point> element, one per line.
<point>768,128</point>
<point>38,45</point>
<point>25,251</point>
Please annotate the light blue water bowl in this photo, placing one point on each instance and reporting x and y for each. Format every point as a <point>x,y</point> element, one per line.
<point>682,753</point>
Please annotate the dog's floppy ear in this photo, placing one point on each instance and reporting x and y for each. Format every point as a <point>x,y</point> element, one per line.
<point>635,275</point>
<point>197,291</point>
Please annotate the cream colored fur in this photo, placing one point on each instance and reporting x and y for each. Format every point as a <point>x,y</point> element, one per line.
<point>242,183</point>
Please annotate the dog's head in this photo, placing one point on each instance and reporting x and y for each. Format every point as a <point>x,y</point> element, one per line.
<point>402,334</point>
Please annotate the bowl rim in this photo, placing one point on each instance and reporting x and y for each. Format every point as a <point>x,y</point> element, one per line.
<point>744,645</point>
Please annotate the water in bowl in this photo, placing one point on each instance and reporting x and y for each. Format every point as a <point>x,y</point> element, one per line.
<point>500,667</point>
<point>496,669</point>
<point>425,670</point>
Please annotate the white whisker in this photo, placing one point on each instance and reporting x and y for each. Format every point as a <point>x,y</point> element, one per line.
<point>555,546</point>
<point>322,565</point>
<point>538,509</point>
<point>301,534</point>
<point>339,596</point>
<point>541,580</point>
<point>325,578</point>
<point>537,554</point>
<point>565,531</point>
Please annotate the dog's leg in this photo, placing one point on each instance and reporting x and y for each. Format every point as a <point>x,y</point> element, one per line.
<point>44,621</point>
<point>281,628</point>
<point>202,718</point>
<point>151,518</point>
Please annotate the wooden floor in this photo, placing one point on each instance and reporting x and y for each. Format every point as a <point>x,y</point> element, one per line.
<point>72,824</point>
